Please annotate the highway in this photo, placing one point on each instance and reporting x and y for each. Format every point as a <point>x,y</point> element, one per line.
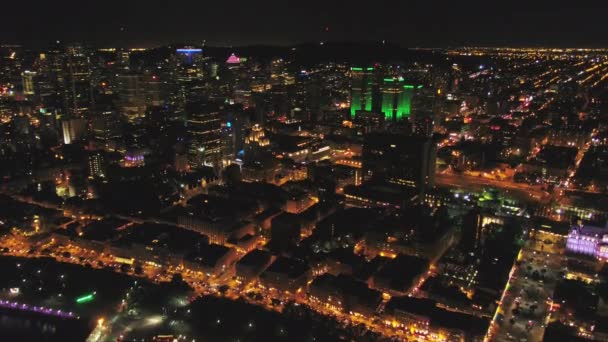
<point>522,191</point>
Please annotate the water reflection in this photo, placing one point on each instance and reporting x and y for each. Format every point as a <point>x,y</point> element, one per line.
<point>30,327</point>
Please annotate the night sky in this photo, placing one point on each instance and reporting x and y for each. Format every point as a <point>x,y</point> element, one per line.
<point>430,23</point>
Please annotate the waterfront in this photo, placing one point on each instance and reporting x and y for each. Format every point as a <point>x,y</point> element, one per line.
<point>29,326</point>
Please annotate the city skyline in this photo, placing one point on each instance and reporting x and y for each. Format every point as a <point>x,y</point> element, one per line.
<point>164,177</point>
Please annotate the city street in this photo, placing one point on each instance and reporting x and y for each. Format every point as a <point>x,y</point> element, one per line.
<point>524,307</point>
<point>522,191</point>
<point>201,284</point>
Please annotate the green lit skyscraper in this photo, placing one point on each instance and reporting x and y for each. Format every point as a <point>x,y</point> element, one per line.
<point>361,89</point>
<point>397,99</point>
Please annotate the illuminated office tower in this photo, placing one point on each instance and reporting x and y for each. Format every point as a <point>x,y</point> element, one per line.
<point>154,91</point>
<point>73,130</point>
<point>188,72</point>
<point>191,63</point>
<point>203,125</point>
<point>27,80</point>
<point>362,80</point>
<point>131,95</point>
<point>123,57</point>
<point>78,90</point>
<point>106,129</point>
<point>51,77</point>
<point>96,165</point>
<point>213,69</point>
<point>190,55</point>
<point>397,99</point>
<point>400,159</point>
<point>130,88</point>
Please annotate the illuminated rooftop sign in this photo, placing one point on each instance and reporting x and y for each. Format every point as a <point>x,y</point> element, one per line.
<point>189,50</point>
<point>85,298</point>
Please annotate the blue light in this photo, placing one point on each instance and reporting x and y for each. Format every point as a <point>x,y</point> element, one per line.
<point>228,124</point>
<point>189,50</point>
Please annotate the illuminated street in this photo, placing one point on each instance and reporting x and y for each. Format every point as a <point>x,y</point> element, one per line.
<point>259,171</point>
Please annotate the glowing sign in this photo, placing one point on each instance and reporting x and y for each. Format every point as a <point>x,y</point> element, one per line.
<point>189,50</point>
<point>233,59</point>
<point>124,260</point>
<point>85,299</point>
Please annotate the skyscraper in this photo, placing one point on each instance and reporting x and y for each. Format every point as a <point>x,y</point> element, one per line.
<point>96,164</point>
<point>397,99</point>
<point>27,80</point>
<point>232,133</point>
<point>51,80</point>
<point>190,55</point>
<point>204,127</point>
<point>399,159</point>
<point>73,130</point>
<point>106,129</point>
<point>131,95</point>
<point>131,88</point>
<point>78,90</point>
<point>362,80</point>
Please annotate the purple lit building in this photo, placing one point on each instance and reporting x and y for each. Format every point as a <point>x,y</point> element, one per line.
<point>233,59</point>
<point>588,240</point>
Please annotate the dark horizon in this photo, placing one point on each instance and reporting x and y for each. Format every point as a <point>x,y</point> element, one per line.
<point>239,23</point>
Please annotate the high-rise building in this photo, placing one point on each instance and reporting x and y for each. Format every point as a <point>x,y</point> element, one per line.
<point>257,137</point>
<point>471,231</point>
<point>106,129</point>
<point>190,55</point>
<point>279,74</point>
<point>130,88</point>
<point>397,99</point>
<point>131,95</point>
<point>190,65</point>
<point>233,61</point>
<point>369,122</point>
<point>73,130</point>
<point>204,127</point>
<point>27,80</point>
<point>51,80</point>
<point>232,133</point>
<point>213,69</point>
<point>423,123</point>
<point>362,81</point>
<point>154,90</point>
<point>399,159</point>
<point>123,58</point>
<point>78,90</point>
<point>96,165</point>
